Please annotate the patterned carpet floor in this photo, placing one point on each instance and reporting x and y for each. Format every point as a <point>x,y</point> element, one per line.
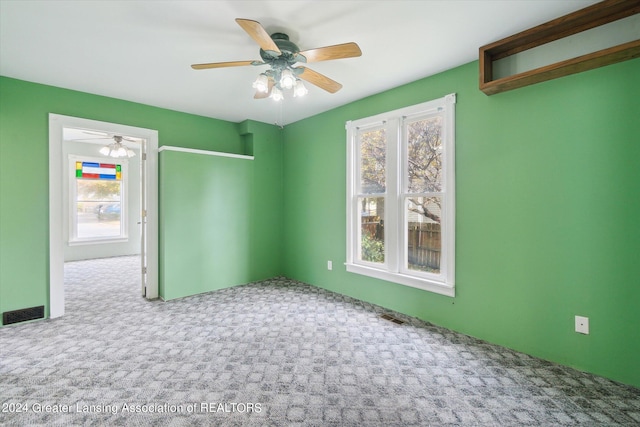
<point>274,353</point>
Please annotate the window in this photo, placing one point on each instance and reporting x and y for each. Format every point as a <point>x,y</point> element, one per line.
<point>97,200</point>
<point>400,190</point>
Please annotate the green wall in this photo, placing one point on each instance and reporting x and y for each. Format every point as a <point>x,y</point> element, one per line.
<point>24,187</point>
<point>205,206</point>
<point>221,217</point>
<point>266,222</point>
<point>547,214</point>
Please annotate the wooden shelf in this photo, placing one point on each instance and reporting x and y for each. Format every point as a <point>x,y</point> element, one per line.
<point>573,23</point>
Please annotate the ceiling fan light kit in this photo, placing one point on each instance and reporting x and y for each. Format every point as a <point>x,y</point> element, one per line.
<point>116,149</point>
<point>281,54</point>
<point>262,83</point>
<point>273,82</point>
<point>287,79</point>
<point>300,89</point>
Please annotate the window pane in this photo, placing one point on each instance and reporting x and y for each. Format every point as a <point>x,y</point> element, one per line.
<point>423,233</point>
<point>372,229</point>
<point>373,154</point>
<point>98,208</point>
<point>424,155</point>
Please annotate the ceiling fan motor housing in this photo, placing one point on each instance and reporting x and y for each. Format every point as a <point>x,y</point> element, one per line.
<point>279,62</point>
<point>288,49</point>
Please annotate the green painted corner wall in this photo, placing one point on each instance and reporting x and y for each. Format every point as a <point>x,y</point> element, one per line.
<point>24,205</point>
<point>204,213</point>
<point>221,217</point>
<point>266,220</point>
<point>547,202</point>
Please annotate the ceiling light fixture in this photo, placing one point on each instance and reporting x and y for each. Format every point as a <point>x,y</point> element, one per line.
<point>262,83</point>
<point>116,149</point>
<point>276,94</point>
<point>300,89</point>
<point>287,79</point>
<point>279,78</point>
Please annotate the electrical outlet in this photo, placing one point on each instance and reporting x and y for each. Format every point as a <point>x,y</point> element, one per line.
<point>329,265</point>
<point>582,325</point>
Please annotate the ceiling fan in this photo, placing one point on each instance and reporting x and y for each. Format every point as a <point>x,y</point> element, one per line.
<point>114,149</point>
<point>280,54</point>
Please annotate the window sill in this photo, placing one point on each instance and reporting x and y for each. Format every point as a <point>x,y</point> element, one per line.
<point>403,279</point>
<point>98,241</point>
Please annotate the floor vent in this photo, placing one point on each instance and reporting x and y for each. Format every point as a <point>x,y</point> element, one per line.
<point>22,315</point>
<point>391,319</point>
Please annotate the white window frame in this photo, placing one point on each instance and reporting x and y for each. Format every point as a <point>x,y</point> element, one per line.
<point>73,195</point>
<point>392,269</point>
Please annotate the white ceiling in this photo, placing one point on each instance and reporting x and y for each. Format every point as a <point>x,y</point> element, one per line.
<point>141,51</point>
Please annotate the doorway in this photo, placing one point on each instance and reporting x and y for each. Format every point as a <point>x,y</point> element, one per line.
<point>147,216</point>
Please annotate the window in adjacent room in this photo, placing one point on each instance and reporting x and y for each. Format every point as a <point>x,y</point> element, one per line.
<point>97,198</point>
<point>401,196</point>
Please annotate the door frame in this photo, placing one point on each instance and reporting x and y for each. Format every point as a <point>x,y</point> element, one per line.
<point>57,123</point>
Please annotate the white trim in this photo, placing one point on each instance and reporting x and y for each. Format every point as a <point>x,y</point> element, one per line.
<point>392,215</point>
<point>351,189</point>
<point>97,240</point>
<point>205,152</point>
<point>56,243</point>
<point>403,279</point>
<point>449,215</point>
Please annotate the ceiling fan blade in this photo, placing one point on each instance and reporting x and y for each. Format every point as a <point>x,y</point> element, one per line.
<point>95,132</point>
<point>339,51</point>
<point>319,80</point>
<point>90,139</point>
<point>259,34</point>
<point>131,139</point>
<point>221,64</point>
